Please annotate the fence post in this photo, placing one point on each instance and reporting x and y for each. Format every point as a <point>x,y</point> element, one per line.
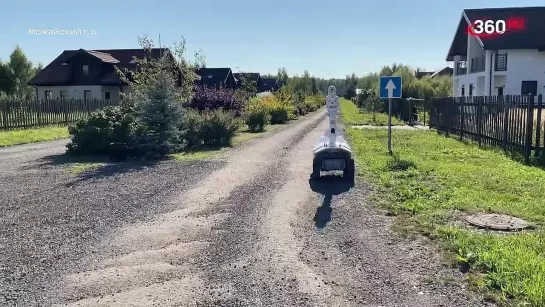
<point>538,125</point>
<point>425,105</point>
<point>88,107</point>
<point>506,108</point>
<point>462,109</point>
<point>4,112</point>
<point>529,128</point>
<point>38,113</point>
<point>65,107</point>
<point>479,117</point>
<point>451,106</point>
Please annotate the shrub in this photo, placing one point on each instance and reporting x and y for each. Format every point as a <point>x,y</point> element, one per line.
<point>158,118</point>
<point>280,112</point>
<point>192,127</point>
<point>313,103</point>
<point>95,134</point>
<point>217,98</point>
<point>257,116</point>
<point>209,127</point>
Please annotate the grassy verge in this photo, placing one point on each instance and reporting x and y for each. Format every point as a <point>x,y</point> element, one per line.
<point>434,180</point>
<point>352,115</point>
<point>23,136</point>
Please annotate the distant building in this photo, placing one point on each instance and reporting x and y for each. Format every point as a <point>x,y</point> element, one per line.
<point>89,74</point>
<point>446,71</point>
<point>213,77</point>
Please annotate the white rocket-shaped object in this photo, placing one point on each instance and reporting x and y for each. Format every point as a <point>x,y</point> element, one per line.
<point>332,103</point>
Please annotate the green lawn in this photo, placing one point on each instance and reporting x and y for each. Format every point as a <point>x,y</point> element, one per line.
<point>23,136</point>
<point>435,180</point>
<point>352,115</point>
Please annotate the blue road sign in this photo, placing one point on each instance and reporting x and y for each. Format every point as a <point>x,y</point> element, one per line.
<point>390,87</point>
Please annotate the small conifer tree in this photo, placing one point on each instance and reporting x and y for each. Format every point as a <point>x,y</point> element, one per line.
<point>158,115</point>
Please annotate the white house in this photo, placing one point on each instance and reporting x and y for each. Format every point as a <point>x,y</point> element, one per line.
<point>512,63</point>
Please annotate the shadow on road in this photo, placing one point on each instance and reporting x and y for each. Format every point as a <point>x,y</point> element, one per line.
<point>103,166</point>
<point>328,186</point>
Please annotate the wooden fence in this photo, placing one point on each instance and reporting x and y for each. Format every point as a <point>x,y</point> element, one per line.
<point>514,123</point>
<point>36,113</point>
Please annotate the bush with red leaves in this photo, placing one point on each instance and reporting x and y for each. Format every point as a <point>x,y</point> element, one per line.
<point>217,98</point>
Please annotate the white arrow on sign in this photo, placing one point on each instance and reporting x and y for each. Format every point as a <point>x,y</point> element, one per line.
<point>390,87</point>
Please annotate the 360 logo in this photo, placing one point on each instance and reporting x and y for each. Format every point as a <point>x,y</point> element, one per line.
<point>488,27</point>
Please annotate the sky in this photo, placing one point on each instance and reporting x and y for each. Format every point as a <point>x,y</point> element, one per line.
<point>329,39</point>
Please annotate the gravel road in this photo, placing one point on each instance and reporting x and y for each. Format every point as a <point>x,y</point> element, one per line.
<point>246,228</point>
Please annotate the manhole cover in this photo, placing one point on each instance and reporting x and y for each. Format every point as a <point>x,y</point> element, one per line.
<point>497,222</point>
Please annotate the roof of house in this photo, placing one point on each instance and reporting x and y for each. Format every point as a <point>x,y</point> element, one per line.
<point>420,74</point>
<point>213,75</point>
<point>531,37</point>
<point>266,84</point>
<point>443,71</point>
<point>251,76</point>
<point>57,72</point>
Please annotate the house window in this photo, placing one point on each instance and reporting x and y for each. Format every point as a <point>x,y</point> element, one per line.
<point>107,95</point>
<point>85,70</point>
<point>529,88</point>
<point>47,94</point>
<point>463,90</point>
<point>501,62</point>
<point>86,94</point>
<point>63,94</point>
<point>500,91</point>
<point>471,90</point>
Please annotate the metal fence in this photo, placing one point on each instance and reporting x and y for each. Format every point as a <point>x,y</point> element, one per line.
<point>514,123</point>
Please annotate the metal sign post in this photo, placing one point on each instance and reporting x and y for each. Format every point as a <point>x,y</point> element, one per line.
<point>390,87</point>
<point>390,126</point>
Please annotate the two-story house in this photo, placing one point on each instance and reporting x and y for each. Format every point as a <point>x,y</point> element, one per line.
<point>89,74</point>
<point>512,63</point>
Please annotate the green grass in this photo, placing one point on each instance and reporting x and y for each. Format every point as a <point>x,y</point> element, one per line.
<point>352,115</point>
<point>23,136</point>
<point>196,154</point>
<point>434,180</point>
<point>82,167</point>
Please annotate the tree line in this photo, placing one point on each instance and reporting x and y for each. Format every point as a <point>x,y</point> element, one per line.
<point>421,88</point>
<point>15,74</point>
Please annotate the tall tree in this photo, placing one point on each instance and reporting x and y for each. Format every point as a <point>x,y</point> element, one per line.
<point>6,83</point>
<point>314,86</point>
<point>283,76</point>
<point>21,71</point>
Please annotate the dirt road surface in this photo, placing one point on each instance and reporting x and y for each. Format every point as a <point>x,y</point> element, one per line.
<point>247,228</point>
